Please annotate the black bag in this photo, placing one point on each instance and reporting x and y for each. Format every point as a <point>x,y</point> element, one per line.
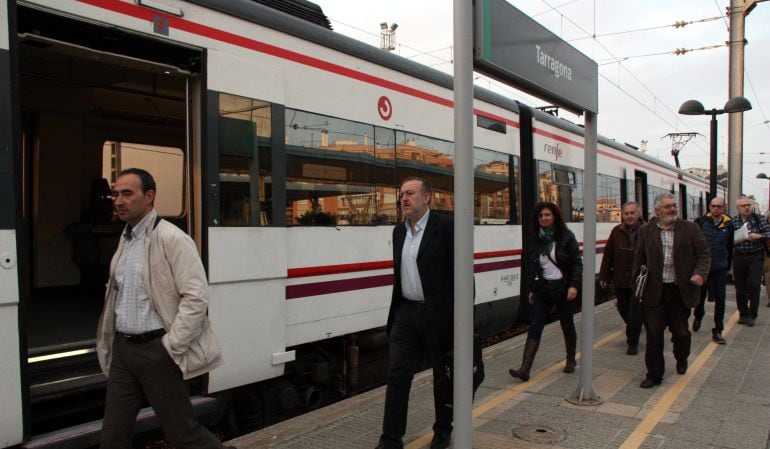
<point>444,381</point>
<point>640,284</point>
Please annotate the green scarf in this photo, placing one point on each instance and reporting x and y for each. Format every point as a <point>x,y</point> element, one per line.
<point>546,236</point>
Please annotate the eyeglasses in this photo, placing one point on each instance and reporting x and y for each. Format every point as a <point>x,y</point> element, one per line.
<point>669,206</point>
<point>744,205</point>
<point>716,205</point>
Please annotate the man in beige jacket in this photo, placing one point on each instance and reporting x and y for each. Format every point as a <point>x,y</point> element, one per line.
<point>154,332</point>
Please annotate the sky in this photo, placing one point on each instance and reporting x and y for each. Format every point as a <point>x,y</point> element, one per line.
<point>642,82</point>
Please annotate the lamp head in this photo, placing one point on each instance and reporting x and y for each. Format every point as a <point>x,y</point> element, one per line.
<point>762,176</point>
<point>384,25</point>
<point>737,104</point>
<point>692,107</point>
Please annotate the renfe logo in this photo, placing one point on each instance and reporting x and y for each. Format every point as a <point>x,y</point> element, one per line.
<point>556,151</point>
<point>384,108</point>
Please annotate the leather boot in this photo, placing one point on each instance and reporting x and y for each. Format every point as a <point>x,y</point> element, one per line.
<point>530,349</point>
<point>570,342</point>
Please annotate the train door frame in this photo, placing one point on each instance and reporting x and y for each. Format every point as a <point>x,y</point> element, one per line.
<point>12,428</point>
<point>191,93</point>
<point>640,193</point>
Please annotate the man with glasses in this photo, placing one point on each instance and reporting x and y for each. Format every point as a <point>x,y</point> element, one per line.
<point>718,230</point>
<point>617,263</point>
<point>747,261</point>
<point>677,257</point>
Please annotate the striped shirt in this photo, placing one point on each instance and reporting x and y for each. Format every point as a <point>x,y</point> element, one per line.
<point>134,312</point>
<point>667,241</point>
<point>757,224</point>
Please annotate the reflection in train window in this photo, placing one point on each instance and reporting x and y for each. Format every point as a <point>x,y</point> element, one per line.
<point>244,161</point>
<point>492,196</point>
<point>608,199</point>
<point>562,186</point>
<point>431,159</point>
<point>165,163</point>
<point>332,172</point>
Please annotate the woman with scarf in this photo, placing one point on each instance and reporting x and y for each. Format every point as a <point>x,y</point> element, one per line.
<point>555,269</point>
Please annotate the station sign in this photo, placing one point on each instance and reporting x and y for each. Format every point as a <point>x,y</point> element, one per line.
<point>512,47</point>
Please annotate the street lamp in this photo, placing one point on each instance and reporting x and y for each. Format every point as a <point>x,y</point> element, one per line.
<point>695,107</point>
<point>764,176</point>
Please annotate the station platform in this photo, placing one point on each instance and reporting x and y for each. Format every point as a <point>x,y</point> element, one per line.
<point>723,401</point>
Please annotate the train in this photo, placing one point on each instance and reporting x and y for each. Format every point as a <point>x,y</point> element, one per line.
<point>278,145</point>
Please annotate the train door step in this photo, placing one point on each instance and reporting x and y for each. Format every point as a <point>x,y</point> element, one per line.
<point>88,434</point>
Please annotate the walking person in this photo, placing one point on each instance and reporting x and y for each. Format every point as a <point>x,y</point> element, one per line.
<point>717,229</point>
<point>677,259</point>
<point>153,333</point>
<point>617,264</point>
<point>421,311</point>
<point>555,270</point>
<point>748,258</point>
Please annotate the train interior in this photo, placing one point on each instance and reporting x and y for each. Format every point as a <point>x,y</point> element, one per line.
<point>90,106</point>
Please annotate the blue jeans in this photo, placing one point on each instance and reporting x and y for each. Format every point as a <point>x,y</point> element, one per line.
<point>548,294</point>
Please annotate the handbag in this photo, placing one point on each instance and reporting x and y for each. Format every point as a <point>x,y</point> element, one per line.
<point>640,283</point>
<point>444,381</point>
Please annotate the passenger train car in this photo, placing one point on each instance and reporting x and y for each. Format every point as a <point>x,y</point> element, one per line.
<point>278,145</point>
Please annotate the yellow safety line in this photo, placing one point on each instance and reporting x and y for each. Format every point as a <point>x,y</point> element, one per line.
<point>508,393</point>
<point>647,425</point>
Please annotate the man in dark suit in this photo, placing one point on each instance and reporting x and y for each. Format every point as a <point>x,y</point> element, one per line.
<point>421,311</point>
<point>677,257</point>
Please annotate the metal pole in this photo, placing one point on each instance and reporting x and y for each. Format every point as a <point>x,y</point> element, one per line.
<point>463,238</point>
<point>585,394</point>
<point>735,120</point>
<point>713,166</point>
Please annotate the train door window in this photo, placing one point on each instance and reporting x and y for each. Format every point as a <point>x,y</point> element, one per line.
<point>608,199</point>
<point>652,193</point>
<point>562,186</point>
<point>165,163</point>
<point>245,176</point>
<point>491,186</point>
<point>431,159</point>
<point>331,173</point>
<point>684,205</point>
<point>640,187</point>
<point>694,209</point>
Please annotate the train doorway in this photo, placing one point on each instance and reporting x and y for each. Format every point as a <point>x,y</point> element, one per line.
<point>93,101</point>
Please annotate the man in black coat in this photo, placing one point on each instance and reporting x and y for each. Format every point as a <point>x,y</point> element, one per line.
<point>421,311</point>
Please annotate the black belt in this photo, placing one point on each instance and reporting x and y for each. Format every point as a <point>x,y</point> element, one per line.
<point>141,338</point>
<point>553,281</point>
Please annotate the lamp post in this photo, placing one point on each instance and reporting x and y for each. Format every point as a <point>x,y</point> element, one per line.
<point>764,176</point>
<point>695,107</point>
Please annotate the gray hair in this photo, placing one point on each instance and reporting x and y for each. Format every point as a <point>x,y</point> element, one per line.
<point>631,203</point>
<point>659,199</point>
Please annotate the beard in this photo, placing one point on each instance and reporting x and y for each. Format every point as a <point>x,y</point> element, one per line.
<point>667,219</point>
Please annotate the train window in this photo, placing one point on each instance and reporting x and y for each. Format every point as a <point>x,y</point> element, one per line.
<point>693,207</point>
<point>165,163</point>
<point>490,124</point>
<point>244,161</point>
<point>332,167</point>
<point>562,186</point>
<point>431,159</point>
<point>608,199</point>
<point>491,174</point>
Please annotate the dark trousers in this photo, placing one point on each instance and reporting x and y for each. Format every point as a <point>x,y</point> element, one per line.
<point>409,343</point>
<point>145,369</point>
<point>747,273</point>
<point>716,290</point>
<point>547,295</point>
<point>630,310</point>
<point>672,313</point>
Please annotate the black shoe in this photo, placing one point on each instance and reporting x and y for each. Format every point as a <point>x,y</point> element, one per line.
<point>681,367</point>
<point>696,325</point>
<point>768,304</point>
<point>718,339</point>
<point>440,440</point>
<point>633,350</point>
<point>649,382</point>
<point>750,322</point>
<point>742,320</point>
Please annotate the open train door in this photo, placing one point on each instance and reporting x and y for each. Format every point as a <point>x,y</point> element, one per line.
<point>11,428</point>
